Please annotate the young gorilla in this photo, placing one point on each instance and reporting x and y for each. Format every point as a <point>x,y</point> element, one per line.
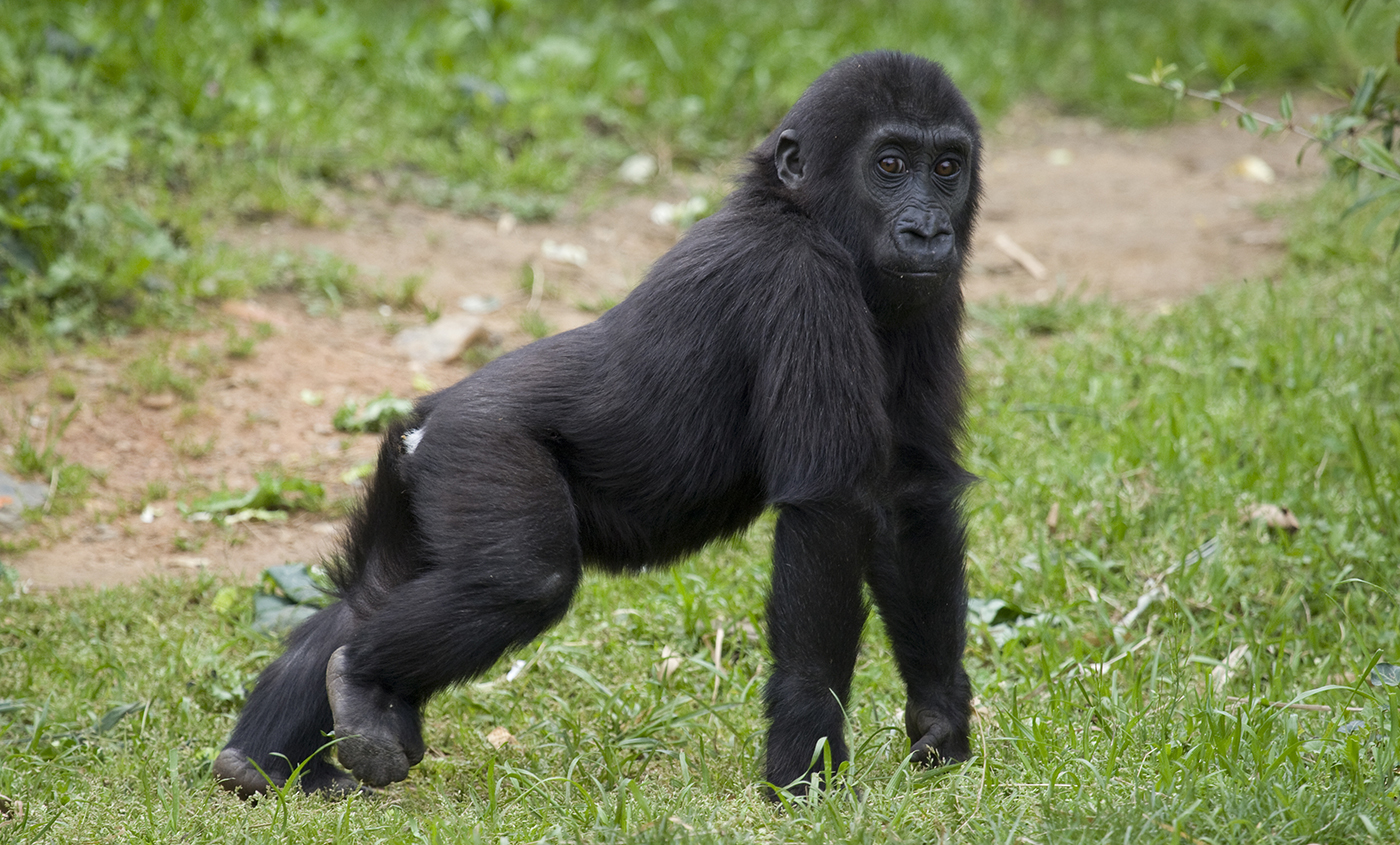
<point>799,349</point>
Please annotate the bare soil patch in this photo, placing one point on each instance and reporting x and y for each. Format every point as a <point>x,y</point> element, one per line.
<point>1145,218</point>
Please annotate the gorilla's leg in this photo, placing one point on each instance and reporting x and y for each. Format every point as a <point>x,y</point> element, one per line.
<point>920,591</point>
<point>504,564</point>
<point>815,616</point>
<point>287,716</point>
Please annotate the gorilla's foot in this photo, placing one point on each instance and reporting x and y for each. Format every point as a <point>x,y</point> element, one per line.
<point>234,771</point>
<point>379,734</point>
<point>936,740</point>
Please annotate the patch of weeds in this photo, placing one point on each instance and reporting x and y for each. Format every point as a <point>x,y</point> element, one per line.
<point>403,295</point>
<point>192,448</point>
<point>68,482</point>
<point>155,492</point>
<point>73,258</point>
<point>271,498</point>
<point>1063,312</point>
<point>204,361</point>
<point>10,580</point>
<point>480,355</point>
<point>598,306</point>
<point>239,347</point>
<point>324,282</point>
<point>20,355</point>
<point>53,741</point>
<point>534,324</point>
<point>373,416</point>
<point>152,374</point>
<point>182,543</point>
<point>62,387</point>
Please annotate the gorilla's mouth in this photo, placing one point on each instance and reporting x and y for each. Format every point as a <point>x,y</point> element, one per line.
<point>919,274</point>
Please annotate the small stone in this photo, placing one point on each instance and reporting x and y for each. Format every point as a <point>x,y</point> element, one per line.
<point>637,169</point>
<point>17,495</point>
<point>564,253</point>
<point>679,214</point>
<point>189,562</point>
<point>478,304</point>
<point>441,341</point>
<point>158,401</point>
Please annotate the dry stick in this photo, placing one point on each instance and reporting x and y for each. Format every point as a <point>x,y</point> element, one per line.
<point>53,490</point>
<point>536,286</point>
<point>1284,705</point>
<point>1169,829</point>
<point>1017,253</point>
<point>719,654</point>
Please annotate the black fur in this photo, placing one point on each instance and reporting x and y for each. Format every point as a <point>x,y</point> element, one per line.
<point>799,350</point>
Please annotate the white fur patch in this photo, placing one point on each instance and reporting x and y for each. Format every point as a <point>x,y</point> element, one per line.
<point>411,439</point>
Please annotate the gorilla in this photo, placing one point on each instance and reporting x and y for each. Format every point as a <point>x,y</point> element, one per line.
<point>798,350</point>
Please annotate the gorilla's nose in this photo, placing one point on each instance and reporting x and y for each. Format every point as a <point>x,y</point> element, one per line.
<point>925,226</point>
<point>925,238</point>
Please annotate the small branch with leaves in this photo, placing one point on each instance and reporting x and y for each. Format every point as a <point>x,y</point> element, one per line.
<point>1363,117</point>
<point>1360,136</point>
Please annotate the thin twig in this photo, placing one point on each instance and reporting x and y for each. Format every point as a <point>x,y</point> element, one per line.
<point>53,490</point>
<point>1287,125</point>
<point>1287,705</point>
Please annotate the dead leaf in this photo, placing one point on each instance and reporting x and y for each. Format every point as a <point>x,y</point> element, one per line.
<point>1052,519</point>
<point>670,662</point>
<point>1253,169</point>
<point>1277,517</point>
<point>500,737</point>
<point>1230,667</point>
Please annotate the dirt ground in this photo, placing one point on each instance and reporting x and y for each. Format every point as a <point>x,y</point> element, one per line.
<point>1144,218</point>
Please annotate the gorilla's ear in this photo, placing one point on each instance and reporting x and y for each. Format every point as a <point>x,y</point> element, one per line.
<point>788,160</point>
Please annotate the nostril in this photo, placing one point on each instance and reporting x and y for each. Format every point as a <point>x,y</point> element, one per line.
<point>923,229</point>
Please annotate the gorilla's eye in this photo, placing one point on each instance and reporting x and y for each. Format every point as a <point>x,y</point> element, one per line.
<point>946,167</point>
<point>893,164</point>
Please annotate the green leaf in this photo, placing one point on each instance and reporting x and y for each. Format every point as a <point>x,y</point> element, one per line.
<point>994,611</point>
<point>275,615</point>
<point>375,416</point>
<point>110,719</point>
<point>296,583</point>
<point>1385,675</point>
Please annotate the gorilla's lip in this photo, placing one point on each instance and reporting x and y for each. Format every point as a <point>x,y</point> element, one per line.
<point>929,275</point>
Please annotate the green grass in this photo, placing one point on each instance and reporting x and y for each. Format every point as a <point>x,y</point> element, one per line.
<point>1111,709</point>
<point>1150,435</point>
<point>128,132</point>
